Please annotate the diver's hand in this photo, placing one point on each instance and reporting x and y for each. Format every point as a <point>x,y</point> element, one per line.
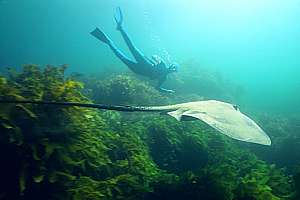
<point>166,90</point>
<point>170,91</point>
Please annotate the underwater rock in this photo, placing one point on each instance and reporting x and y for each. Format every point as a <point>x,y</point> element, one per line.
<point>79,153</point>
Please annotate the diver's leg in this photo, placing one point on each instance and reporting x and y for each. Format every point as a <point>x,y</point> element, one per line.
<point>132,65</point>
<point>122,56</point>
<point>140,58</point>
<point>137,54</point>
<point>100,35</point>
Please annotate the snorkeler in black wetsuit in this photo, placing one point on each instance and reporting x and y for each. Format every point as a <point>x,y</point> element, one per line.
<point>153,68</point>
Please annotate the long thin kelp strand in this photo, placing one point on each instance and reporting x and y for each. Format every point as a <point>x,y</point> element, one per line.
<point>87,105</point>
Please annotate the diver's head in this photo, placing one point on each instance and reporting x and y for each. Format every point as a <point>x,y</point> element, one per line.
<point>173,67</point>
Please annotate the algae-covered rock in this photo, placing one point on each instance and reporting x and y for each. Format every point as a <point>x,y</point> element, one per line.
<point>198,80</point>
<point>124,89</point>
<point>50,152</point>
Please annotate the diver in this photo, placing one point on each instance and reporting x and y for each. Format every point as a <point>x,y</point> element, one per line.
<point>154,68</point>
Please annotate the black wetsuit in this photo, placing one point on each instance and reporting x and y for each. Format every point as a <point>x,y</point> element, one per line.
<point>142,65</point>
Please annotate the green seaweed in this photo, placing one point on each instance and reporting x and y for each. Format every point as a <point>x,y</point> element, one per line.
<point>50,152</point>
<point>123,89</point>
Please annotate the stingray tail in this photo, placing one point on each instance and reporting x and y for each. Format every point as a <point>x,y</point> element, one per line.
<point>125,108</point>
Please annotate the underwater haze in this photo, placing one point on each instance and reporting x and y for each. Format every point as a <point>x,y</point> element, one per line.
<point>238,75</point>
<point>253,43</point>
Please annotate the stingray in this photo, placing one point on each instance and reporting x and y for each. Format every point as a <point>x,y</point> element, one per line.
<point>224,117</point>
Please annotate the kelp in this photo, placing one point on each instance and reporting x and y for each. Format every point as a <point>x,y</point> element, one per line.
<point>285,131</point>
<point>51,152</point>
<point>52,147</point>
<point>222,170</point>
<point>34,144</point>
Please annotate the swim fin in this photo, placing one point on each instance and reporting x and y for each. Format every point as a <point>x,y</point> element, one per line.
<point>101,36</point>
<point>119,18</point>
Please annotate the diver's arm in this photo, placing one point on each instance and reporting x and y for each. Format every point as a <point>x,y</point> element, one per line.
<point>160,88</point>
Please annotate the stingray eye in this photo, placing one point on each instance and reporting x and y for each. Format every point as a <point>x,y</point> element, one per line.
<point>235,107</point>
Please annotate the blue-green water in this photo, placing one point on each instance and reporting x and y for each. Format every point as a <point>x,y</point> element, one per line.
<point>253,43</point>
<point>244,52</point>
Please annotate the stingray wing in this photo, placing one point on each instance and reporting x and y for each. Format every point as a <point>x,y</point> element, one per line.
<point>224,118</point>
